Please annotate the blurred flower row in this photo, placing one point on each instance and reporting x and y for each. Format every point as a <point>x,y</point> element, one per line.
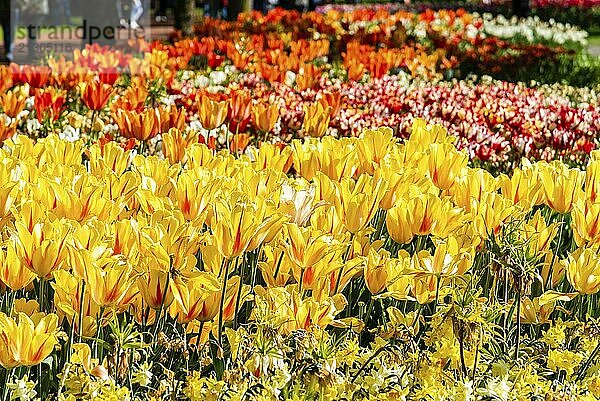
<point>365,268</point>
<point>496,121</point>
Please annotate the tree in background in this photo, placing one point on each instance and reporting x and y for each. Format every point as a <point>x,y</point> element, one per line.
<point>521,8</point>
<point>237,7</point>
<point>184,16</point>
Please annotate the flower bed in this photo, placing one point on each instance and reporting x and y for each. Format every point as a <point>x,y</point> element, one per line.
<point>583,13</point>
<point>359,268</point>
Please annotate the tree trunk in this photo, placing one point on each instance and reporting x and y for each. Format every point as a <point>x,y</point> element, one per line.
<point>237,7</point>
<point>184,16</point>
<point>520,8</point>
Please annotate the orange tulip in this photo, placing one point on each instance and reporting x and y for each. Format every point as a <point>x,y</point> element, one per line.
<point>133,98</point>
<point>239,142</point>
<point>141,126</point>
<point>171,117</point>
<point>356,71</point>
<point>211,113</point>
<point>239,106</point>
<point>265,117</point>
<point>12,103</point>
<point>5,78</point>
<point>332,100</point>
<point>7,131</point>
<point>49,103</point>
<point>96,95</point>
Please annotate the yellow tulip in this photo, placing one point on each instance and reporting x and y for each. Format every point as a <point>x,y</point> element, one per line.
<point>13,273</point>
<point>310,312</point>
<point>153,285</point>
<point>446,164</point>
<point>489,214</point>
<point>307,246</point>
<point>68,300</point>
<point>449,259</point>
<point>109,281</point>
<point>27,341</point>
<point>592,180</point>
<point>270,156</point>
<point>175,144</point>
<point>316,120</point>
<point>416,216</point>
<point>583,270</point>
<point>539,309</point>
<point>305,158</point>
<point>44,249</point>
<point>110,156</point>
<point>562,186</point>
<point>539,235</point>
<point>338,158</point>
<point>473,185</point>
<point>522,187</point>
<point>586,223</point>
<point>360,201</point>
<point>238,222</point>
<point>376,272</point>
<point>372,147</point>
<point>194,194</point>
<point>200,298</point>
<point>423,135</point>
<point>276,269</point>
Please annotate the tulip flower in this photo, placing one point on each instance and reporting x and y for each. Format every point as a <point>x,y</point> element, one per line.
<point>96,95</point>
<point>316,120</point>
<point>27,341</point>
<point>359,204</point>
<point>142,126</point>
<point>211,114</point>
<point>446,164</point>
<point>108,284</point>
<point>538,310</point>
<point>376,273</point>
<point>265,117</point>
<point>333,100</point>
<point>240,106</point>
<point>522,187</point>
<point>583,270</point>
<point>12,103</point>
<point>171,117</point>
<point>416,216</point>
<point>44,249</point>
<point>562,186</point>
<point>307,246</point>
<point>586,224</point>
<point>153,285</point>
<point>49,103</point>
<point>200,299</point>
<point>175,144</point>
<point>7,131</point>
<point>237,225</point>
<point>194,194</point>
<point>239,143</point>
<point>13,273</point>
<point>372,148</point>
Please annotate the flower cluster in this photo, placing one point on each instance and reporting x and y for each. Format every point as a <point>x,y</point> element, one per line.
<point>359,268</point>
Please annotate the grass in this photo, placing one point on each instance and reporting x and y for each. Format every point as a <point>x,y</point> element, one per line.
<point>594,40</point>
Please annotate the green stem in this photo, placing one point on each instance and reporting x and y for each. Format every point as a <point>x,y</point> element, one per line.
<point>555,254</point>
<point>222,303</point>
